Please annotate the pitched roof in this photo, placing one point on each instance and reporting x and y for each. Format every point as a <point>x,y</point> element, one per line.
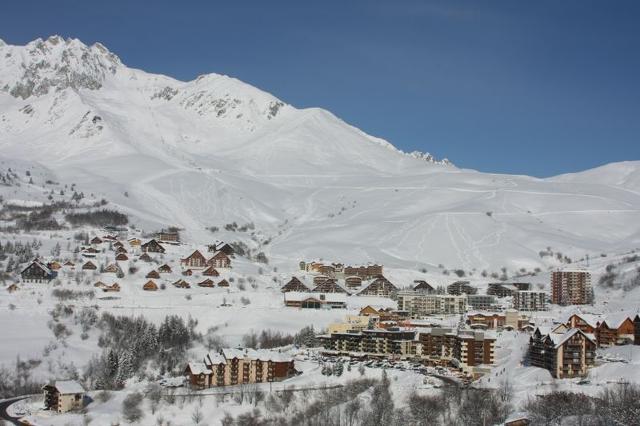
<point>199,368</point>
<point>68,387</point>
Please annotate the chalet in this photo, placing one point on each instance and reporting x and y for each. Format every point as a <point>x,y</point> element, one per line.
<point>586,322</point>
<point>220,246</point>
<point>181,284</point>
<point>169,236</point>
<point>459,288</point>
<point>54,266</point>
<point>211,272</point>
<point>145,257</point>
<point>381,287</point>
<point>207,283</point>
<point>615,330</point>
<point>117,245</point>
<point>164,269</point>
<point>115,287</point>
<point>110,238</point>
<point>223,283</point>
<point>96,241</point>
<point>134,242</point>
<point>152,246</point>
<point>187,272</point>
<point>305,300</point>
<point>121,250</point>
<point>122,257</point>
<point>239,366</point>
<point>565,355</point>
<point>37,272</point>
<point>294,284</point>
<point>69,264</point>
<point>329,286</point>
<point>194,260</point>
<point>89,266</point>
<point>369,311</point>
<point>422,285</point>
<point>353,281</point>
<point>219,260</point>
<point>153,274</point>
<point>112,268</point>
<point>150,286</point>
<point>63,396</point>
<point>99,284</point>
<point>13,287</point>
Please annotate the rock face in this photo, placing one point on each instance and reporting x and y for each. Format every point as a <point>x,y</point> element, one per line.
<point>54,64</point>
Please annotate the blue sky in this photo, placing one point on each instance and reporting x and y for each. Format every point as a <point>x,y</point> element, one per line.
<point>537,88</point>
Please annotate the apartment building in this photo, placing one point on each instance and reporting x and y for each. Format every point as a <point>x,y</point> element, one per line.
<point>530,300</point>
<point>419,303</point>
<point>565,354</point>
<point>571,287</point>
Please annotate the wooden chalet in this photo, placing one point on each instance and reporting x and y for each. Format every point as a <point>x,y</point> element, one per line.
<point>145,257</point>
<point>211,272</point>
<point>89,266</point>
<point>99,284</point>
<point>122,257</point>
<point>194,260</point>
<point>615,330</point>
<point>422,285</point>
<point>329,286</point>
<point>187,272</point>
<point>220,246</point>
<point>164,269</point>
<point>219,260</point>
<point>153,274</point>
<point>294,284</point>
<point>369,311</point>
<point>96,240</point>
<point>69,264</point>
<point>121,250</point>
<point>90,252</point>
<point>12,287</point>
<point>381,287</point>
<point>37,271</point>
<point>223,283</point>
<point>115,287</point>
<point>353,281</point>
<point>117,245</point>
<point>181,284</point>
<point>150,286</point>
<point>207,283</point>
<point>109,238</point>
<point>152,246</point>
<point>112,268</point>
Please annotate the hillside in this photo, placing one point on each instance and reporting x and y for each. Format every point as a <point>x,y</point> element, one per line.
<point>215,150</point>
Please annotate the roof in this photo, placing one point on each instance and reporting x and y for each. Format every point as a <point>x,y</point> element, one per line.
<point>258,354</point>
<point>615,320</point>
<point>591,319</point>
<point>298,296</point>
<point>199,368</point>
<point>41,265</point>
<point>68,387</point>
<point>559,339</point>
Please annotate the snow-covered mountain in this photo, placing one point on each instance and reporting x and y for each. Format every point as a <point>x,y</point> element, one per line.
<point>215,150</point>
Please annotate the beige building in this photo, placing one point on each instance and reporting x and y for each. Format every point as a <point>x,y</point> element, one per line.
<point>63,396</point>
<point>419,303</point>
<point>352,322</point>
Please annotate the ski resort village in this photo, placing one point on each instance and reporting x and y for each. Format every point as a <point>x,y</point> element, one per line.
<point>202,253</point>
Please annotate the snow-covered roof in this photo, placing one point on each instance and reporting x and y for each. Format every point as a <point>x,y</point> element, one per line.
<point>591,319</point>
<point>68,387</point>
<point>298,296</point>
<point>258,354</point>
<point>559,339</point>
<point>214,358</point>
<point>615,320</point>
<point>199,368</point>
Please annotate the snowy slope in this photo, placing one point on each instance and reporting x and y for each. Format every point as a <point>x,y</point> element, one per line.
<point>216,150</point>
